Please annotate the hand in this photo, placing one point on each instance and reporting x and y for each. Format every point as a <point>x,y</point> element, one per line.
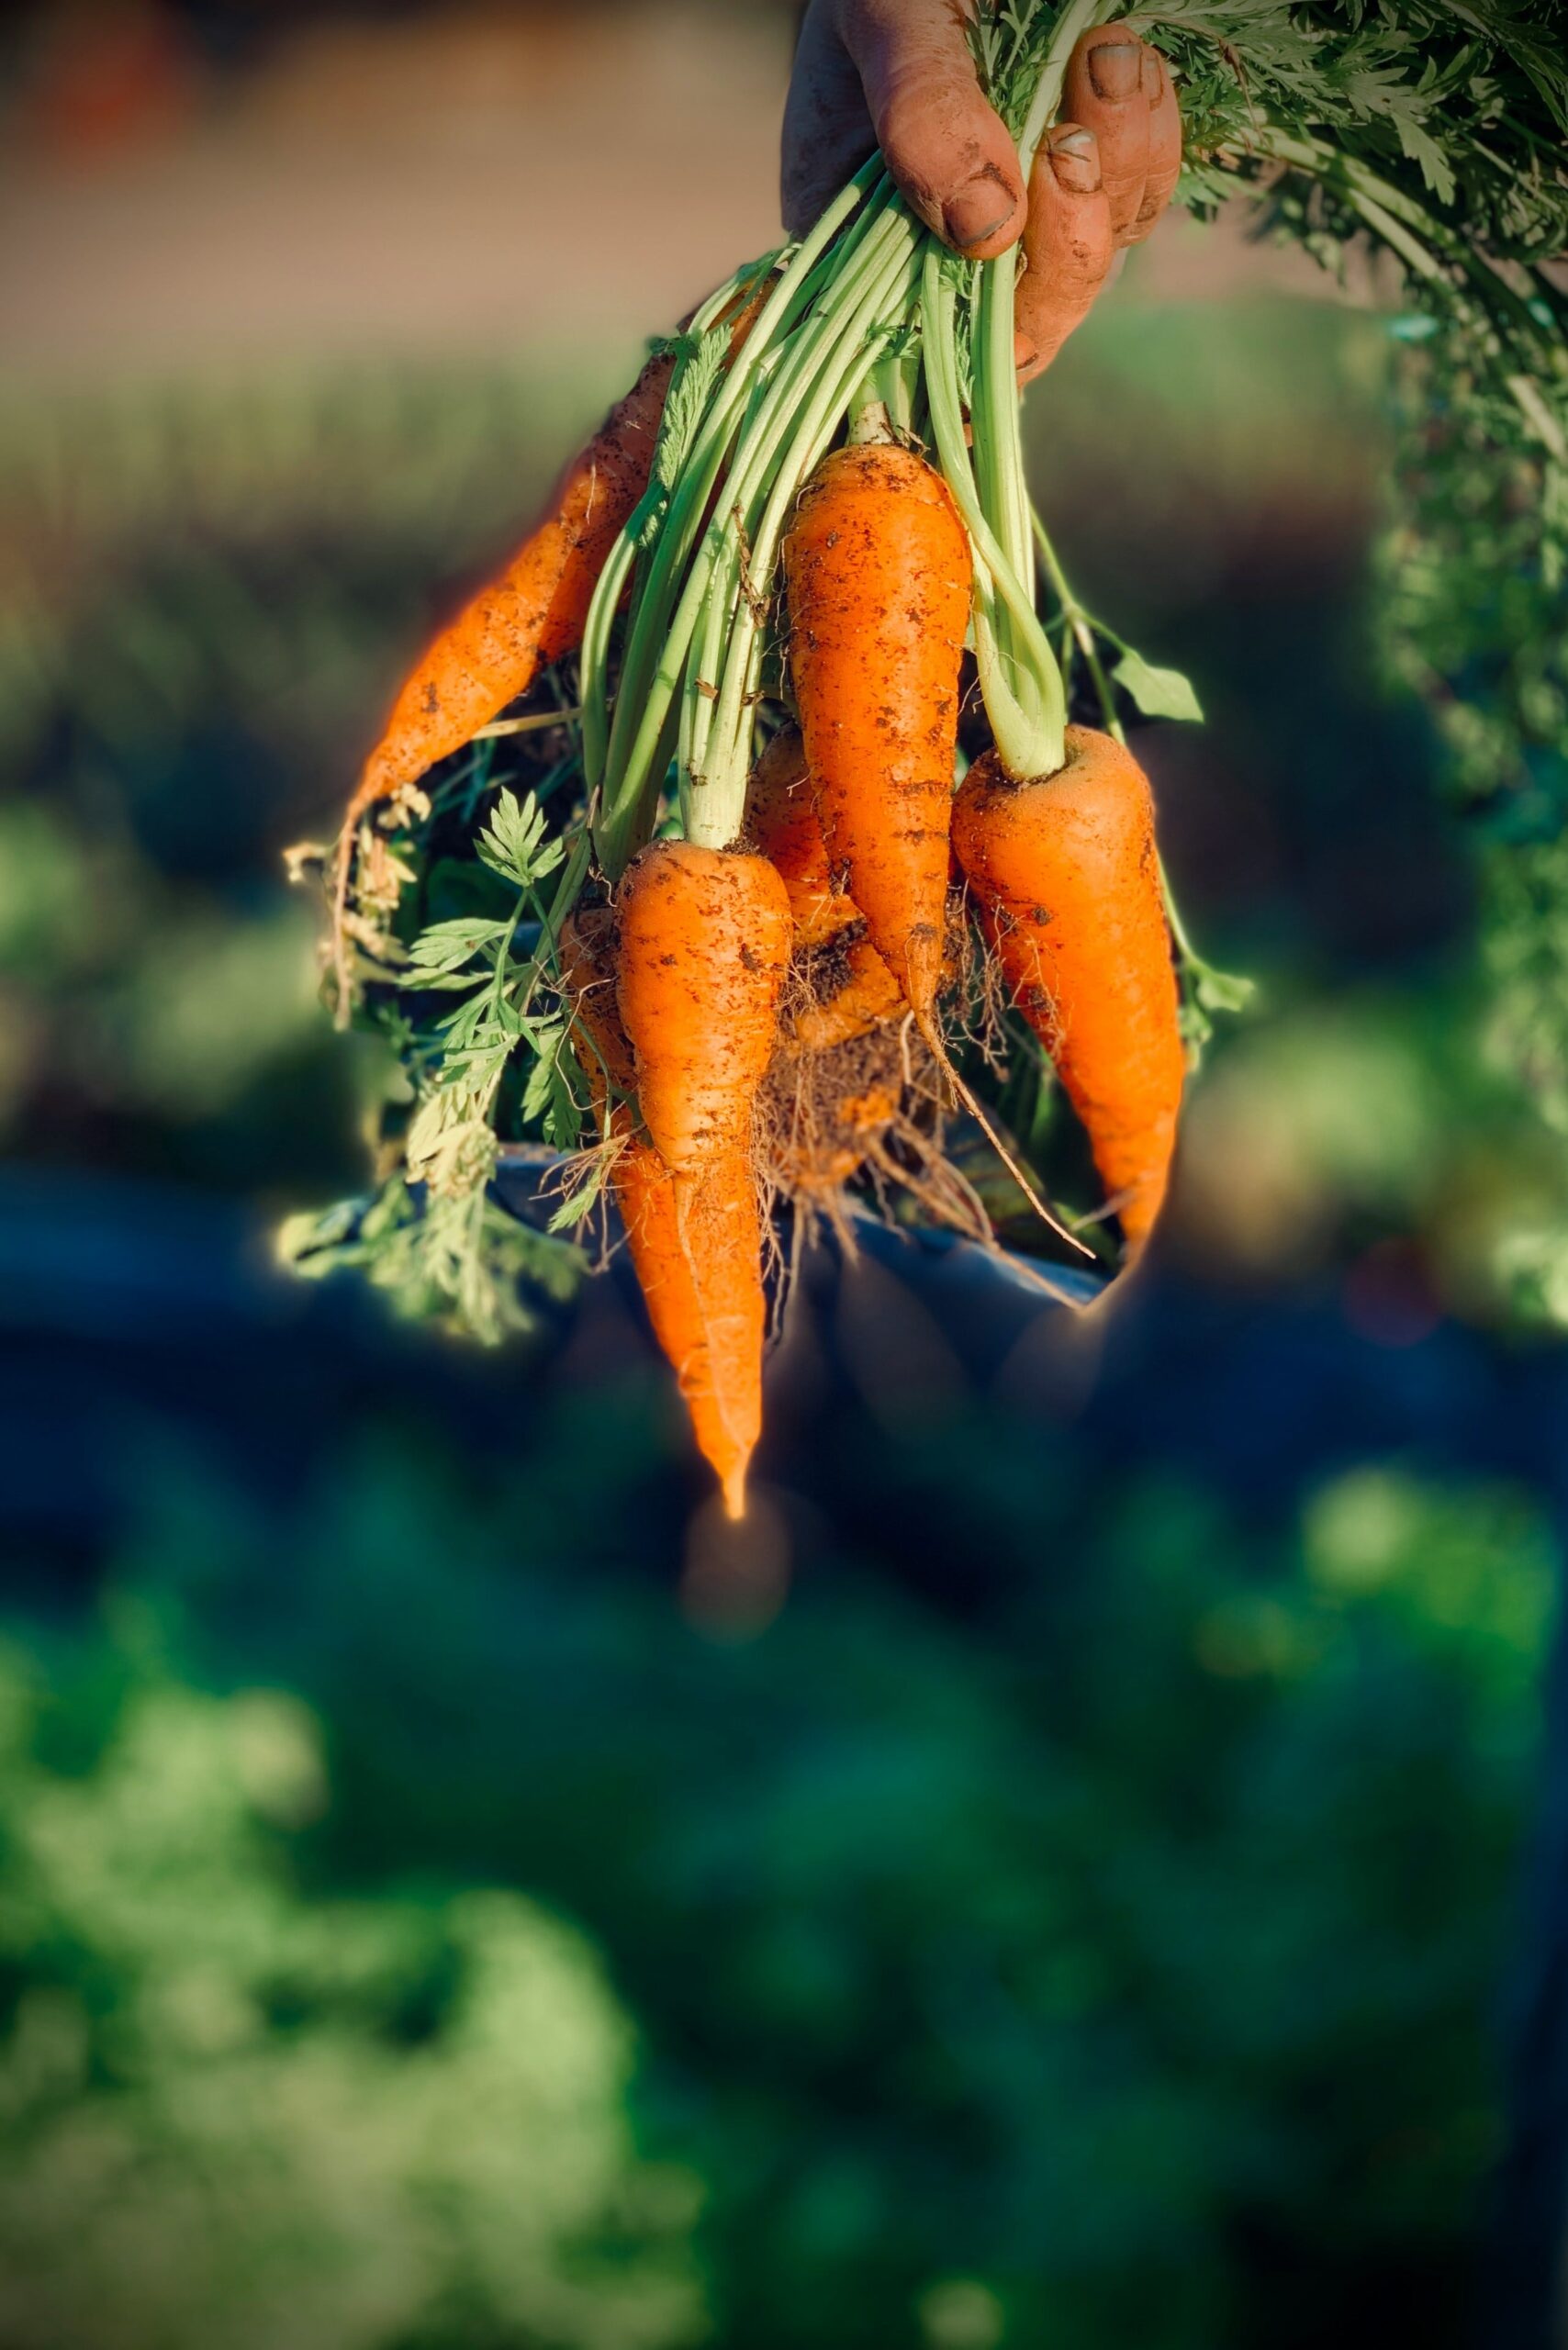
<point>898,74</point>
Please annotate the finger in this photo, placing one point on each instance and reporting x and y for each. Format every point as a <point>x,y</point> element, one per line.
<point>1104,91</point>
<point>1164,145</point>
<point>1069,245</point>
<point>827,124</point>
<point>945,147</point>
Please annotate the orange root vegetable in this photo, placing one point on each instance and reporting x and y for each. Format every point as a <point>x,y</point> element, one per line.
<point>586,951</point>
<point>700,1276</point>
<point>1067,875</point>
<point>705,937</point>
<point>700,1273</point>
<point>867,995</point>
<point>532,614</point>
<point>877,568</point>
<point>782,816</point>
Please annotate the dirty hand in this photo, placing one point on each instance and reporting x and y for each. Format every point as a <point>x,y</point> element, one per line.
<point>898,74</point>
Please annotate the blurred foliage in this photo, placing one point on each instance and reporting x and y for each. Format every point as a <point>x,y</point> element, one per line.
<point>1105,1967</point>
<point>239,2110</point>
<point>1473,576</point>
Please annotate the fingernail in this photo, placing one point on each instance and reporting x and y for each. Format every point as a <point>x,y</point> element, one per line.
<point>1153,76</point>
<point>977,212</point>
<point>1075,158</point>
<point>1116,69</point>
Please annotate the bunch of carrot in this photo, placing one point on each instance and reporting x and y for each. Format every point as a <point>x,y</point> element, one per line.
<point>785,535</point>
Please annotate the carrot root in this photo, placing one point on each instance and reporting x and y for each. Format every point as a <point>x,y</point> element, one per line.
<point>1068,878</point>
<point>879,575</point>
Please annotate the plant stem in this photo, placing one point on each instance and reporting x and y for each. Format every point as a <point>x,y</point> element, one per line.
<point>616,761</point>
<point>1029,738</point>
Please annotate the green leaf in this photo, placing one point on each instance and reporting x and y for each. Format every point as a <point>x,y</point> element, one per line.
<point>447,945</point>
<point>536,1099</point>
<point>514,843</point>
<point>1159,693</point>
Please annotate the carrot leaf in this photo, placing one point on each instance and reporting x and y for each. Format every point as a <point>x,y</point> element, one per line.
<point>1159,693</point>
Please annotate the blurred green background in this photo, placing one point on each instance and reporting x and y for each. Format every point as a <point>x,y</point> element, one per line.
<point>1060,1882</point>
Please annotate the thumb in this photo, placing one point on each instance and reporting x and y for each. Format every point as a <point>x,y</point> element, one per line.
<point>946,148</point>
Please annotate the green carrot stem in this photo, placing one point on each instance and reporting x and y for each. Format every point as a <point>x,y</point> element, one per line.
<point>659,645</point>
<point>1030,734</point>
<point>800,281</point>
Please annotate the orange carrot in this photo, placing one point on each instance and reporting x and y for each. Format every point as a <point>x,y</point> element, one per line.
<point>866,996</point>
<point>782,817</point>
<point>1068,879</point>
<point>704,950</point>
<point>532,614</point>
<point>878,569</point>
<point>701,1281</point>
<point>700,1273</point>
<point>586,951</point>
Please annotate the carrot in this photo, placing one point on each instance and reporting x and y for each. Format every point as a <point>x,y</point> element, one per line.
<point>586,951</point>
<point>878,569</point>
<point>781,816</point>
<point>866,996</point>
<point>532,614</point>
<point>704,950</point>
<point>1068,880</point>
<point>700,1274</point>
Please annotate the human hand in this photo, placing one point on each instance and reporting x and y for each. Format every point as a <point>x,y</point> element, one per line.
<point>898,74</point>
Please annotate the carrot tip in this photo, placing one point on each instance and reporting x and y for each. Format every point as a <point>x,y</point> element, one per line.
<point>735,1493</point>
